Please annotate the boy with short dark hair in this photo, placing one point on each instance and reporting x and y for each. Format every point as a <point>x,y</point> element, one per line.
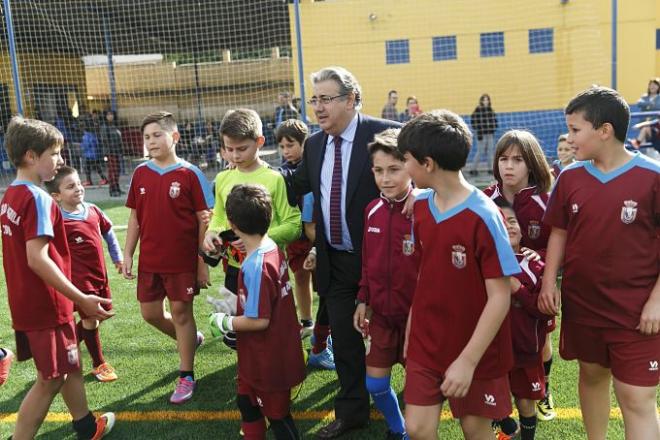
<point>291,135</point>
<point>459,342</point>
<point>169,200</point>
<point>85,224</point>
<point>37,271</point>
<point>604,214</point>
<point>266,322</point>
<point>389,276</point>
<point>242,136</point>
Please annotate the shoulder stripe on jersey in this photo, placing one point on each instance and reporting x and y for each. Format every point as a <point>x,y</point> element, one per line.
<point>487,210</point>
<point>374,209</point>
<point>203,182</point>
<point>648,163</point>
<point>44,203</point>
<point>539,201</point>
<point>524,265</point>
<point>252,268</point>
<point>636,161</point>
<point>425,194</point>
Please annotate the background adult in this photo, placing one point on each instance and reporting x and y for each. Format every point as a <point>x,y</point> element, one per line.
<point>412,109</point>
<point>337,169</point>
<point>389,110</point>
<point>484,122</point>
<point>285,110</point>
<point>112,149</point>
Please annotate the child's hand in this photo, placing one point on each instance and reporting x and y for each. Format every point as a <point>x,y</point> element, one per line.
<point>360,321</point>
<point>91,305</point>
<point>530,254</point>
<point>127,269</point>
<point>238,244</point>
<point>310,262</point>
<point>549,300</point>
<point>210,239</point>
<point>203,279</point>
<point>206,216</point>
<point>458,378</point>
<point>649,322</point>
<point>119,265</point>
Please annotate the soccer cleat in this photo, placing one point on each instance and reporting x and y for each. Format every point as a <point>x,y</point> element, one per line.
<point>500,435</point>
<point>324,360</point>
<point>104,425</point>
<point>105,373</point>
<point>5,365</point>
<point>545,408</point>
<point>185,387</point>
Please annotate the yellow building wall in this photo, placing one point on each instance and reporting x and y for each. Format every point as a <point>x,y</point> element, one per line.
<point>352,33</point>
<point>37,69</point>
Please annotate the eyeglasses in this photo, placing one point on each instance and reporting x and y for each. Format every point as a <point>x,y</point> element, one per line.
<point>325,100</point>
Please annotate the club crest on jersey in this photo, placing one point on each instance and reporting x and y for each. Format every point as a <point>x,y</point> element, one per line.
<point>458,257</point>
<point>533,230</point>
<point>408,246</point>
<point>175,190</point>
<point>629,211</point>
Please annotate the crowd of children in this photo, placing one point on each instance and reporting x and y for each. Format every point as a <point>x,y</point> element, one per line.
<point>463,293</point>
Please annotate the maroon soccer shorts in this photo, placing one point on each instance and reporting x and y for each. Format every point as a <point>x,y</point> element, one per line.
<point>54,350</point>
<point>528,382</point>
<point>488,398</point>
<point>275,405</point>
<point>175,286</point>
<point>632,357</point>
<point>296,253</point>
<point>103,293</point>
<point>387,338</point>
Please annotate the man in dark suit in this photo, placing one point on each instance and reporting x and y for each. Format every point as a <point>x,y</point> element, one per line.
<point>336,167</point>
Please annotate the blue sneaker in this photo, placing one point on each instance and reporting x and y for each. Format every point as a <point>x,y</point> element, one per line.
<point>324,360</point>
<point>329,344</point>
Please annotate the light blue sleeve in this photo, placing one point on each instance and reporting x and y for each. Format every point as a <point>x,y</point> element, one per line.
<point>252,268</point>
<point>113,246</point>
<point>308,208</point>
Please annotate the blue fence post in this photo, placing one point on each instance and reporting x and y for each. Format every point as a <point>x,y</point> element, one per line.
<point>301,74</point>
<point>614,31</point>
<point>12,55</point>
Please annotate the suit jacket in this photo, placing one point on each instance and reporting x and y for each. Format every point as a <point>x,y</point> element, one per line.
<point>361,188</point>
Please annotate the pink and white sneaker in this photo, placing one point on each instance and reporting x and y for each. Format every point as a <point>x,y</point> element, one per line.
<point>183,392</point>
<point>5,365</point>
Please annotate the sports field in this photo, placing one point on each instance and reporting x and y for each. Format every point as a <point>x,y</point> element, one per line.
<point>146,362</point>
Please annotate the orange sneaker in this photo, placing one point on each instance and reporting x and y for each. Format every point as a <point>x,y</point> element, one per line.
<point>104,373</point>
<point>104,425</point>
<point>5,365</point>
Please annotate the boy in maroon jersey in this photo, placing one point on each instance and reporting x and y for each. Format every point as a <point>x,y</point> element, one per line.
<point>459,342</point>
<point>528,330</point>
<point>169,199</point>
<point>604,213</point>
<point>266,322</point>
<point>85,224</point>
<point>389,275</point>
<point>41,297</point>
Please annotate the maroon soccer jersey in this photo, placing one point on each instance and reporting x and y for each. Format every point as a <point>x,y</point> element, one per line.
<point>28,212</point>
<point>611,257</point>
<point>83,234</point>
<point>529,206</point>
<point>270,359</point>
<point>166,201</point>
<point>460,248</point>
<point>528,325</point>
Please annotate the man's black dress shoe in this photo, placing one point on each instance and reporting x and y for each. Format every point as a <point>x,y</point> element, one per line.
<point>338,428</point>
